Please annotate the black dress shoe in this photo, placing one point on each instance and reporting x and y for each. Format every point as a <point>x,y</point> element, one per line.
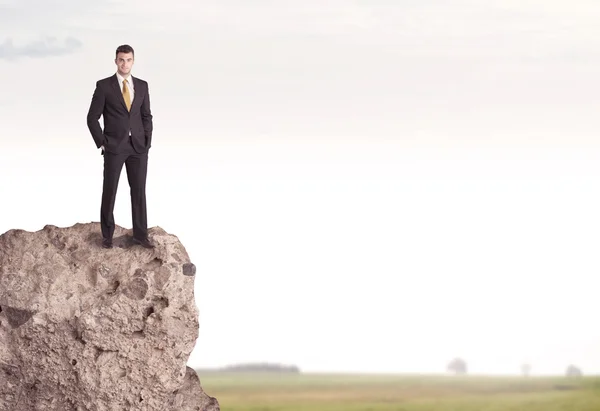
<point>145,242</point>
<point>107,243</point>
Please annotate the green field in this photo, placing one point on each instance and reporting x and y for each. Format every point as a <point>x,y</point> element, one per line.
<point>303,392</point>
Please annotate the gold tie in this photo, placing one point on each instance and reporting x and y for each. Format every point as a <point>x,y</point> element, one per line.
<point>126,95</point>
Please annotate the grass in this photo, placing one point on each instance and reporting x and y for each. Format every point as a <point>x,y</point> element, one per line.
<point>317,392</point>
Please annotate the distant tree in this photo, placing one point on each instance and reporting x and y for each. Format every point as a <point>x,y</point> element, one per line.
<point>457,366</point>
<point>526,370</point>
<point>262,367</point>
<point>573,371</point>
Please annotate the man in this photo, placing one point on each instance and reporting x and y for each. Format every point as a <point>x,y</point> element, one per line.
<point>124,103</point>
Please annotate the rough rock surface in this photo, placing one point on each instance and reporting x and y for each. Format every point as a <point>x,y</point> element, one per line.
<point>84,328</point>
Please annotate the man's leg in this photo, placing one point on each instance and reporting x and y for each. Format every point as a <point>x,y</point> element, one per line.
<point>137,167</point>
<point>113,164</point>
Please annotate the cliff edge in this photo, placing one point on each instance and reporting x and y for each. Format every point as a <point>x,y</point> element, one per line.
<point>84,328</point>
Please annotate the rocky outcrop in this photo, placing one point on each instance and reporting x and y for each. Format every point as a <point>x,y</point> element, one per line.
<point>84,328</point>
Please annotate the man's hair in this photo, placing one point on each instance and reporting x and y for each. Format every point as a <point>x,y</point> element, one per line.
<point>125,48</point>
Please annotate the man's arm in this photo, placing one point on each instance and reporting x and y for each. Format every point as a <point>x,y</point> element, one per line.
<point>147,117</point>
<point>94,113</point>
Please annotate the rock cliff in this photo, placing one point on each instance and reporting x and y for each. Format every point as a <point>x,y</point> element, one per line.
<point>84,328</point>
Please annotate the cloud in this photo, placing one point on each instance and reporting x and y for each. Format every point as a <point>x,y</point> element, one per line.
<point>48,47</point>
<point>44,28</point>
<point>31,28</point>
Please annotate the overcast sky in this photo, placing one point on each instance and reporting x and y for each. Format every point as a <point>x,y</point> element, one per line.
<point>362,185</point>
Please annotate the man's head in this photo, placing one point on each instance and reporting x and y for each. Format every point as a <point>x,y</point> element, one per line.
<point>124,59</point>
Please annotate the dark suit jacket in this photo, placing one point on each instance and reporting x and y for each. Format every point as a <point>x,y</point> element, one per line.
<point>108,101</point>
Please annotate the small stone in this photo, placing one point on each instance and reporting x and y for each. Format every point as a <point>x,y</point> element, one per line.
<point>136,289</point>
<point>16,317</point>
<point>189,269</point>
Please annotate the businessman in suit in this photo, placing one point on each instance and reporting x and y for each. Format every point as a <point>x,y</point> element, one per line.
<point>124,103</point>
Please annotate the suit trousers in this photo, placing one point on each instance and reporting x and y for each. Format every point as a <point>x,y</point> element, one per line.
<point>136,165</point>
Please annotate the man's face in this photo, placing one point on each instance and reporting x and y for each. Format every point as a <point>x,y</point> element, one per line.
<point>124,62</point>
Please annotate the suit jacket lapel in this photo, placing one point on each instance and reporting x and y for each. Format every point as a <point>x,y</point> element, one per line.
<point>118,90</point>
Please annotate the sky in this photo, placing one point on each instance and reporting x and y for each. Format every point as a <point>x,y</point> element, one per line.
<point>363,186</point>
